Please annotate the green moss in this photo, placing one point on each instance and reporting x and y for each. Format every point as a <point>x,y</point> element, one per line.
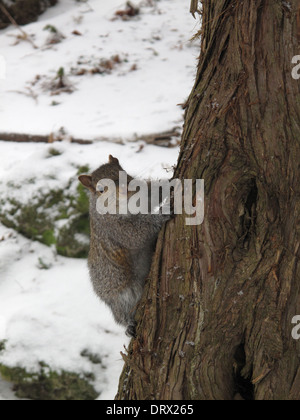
<point>94,358</point>
<point>68,242</point>
<point>51,29</point>
<point>48,237</point>
<point>38,218</point>
<point>53,198</point>
<point>52,152</point>
<point>42,265</point>
<point>82,202</point>
<point>30,222</point>
<point>48,385</point>
<point>2,345</point>
<point>84,169</point>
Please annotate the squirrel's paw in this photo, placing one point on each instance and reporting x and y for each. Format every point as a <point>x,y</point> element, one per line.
<point>131,332</point>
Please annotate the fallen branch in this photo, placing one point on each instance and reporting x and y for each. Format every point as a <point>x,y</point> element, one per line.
<point>29,93</point>
<point>28,138</point>
<point>164,139</point>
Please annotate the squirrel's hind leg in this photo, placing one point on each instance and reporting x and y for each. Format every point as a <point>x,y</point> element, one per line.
<point>123,308</point>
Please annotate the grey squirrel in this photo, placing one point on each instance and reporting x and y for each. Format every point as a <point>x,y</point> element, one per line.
<point>121,248</point>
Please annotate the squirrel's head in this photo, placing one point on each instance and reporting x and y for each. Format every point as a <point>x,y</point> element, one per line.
<point>110,170</point>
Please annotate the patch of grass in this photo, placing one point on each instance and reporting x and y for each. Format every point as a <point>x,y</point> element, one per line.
<point>94,358</point>
<point>43,266</point>
<point>31,222</point>
<point>67,243</point>
<point>2,345</point>
<point>53,152</point>
<point>53,198</point>
<point>48,237</point>
<point>38,218</point>
<point>48,385</point>
<point>84,169</point>
<point>52,29</point>
<point>55,103</point>
<point>82,202</point>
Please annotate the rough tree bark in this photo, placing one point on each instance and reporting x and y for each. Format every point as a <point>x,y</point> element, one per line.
<point>215,320</point>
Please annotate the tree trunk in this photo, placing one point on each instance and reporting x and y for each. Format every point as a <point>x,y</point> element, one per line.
<point>216,318</point>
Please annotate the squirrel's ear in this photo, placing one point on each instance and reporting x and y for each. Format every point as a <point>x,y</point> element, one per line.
<point>86,181</point>
<point>113,160</point>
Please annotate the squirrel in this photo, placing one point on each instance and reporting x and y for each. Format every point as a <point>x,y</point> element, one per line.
<point>121,248</point>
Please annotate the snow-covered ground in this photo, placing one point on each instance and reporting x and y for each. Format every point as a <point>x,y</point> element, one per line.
<point>51,315</point>
<point>48,311</point>
<point>153,73</point>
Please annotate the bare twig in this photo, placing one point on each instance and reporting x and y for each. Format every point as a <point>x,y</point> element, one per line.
<point>24,36</point>
<point>29,93</point>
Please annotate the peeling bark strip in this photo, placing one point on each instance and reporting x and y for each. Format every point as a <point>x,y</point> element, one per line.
<point>215,320</point>
<point>194,7</point>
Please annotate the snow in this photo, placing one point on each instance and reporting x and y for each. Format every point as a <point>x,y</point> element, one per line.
<point>123,103</point>
<point>6,394</point>
<point>53,315</point>
<point>48,310</point>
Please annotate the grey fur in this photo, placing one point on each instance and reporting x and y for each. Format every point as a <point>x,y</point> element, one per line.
<point>121,251</point>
